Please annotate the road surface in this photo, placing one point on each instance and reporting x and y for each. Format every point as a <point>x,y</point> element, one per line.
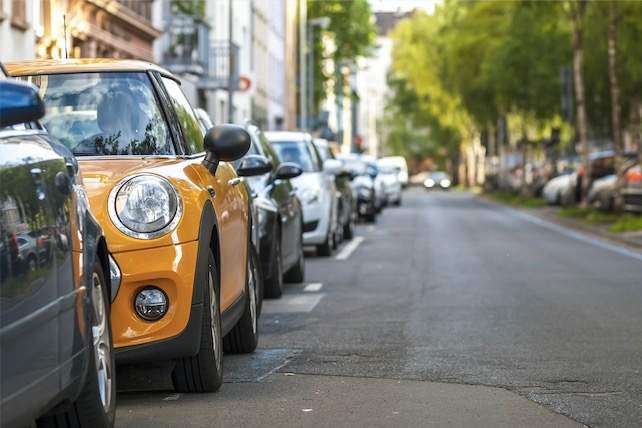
<point>450,311</point>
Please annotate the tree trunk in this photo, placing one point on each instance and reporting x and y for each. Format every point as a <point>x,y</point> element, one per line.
<point>615,103</point>
<point>577,13</point>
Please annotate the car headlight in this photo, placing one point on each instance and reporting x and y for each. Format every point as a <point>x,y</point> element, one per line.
<point>429,182</point>
<point>444,183</point>
<point>309,196</point>
<point>145,206</point>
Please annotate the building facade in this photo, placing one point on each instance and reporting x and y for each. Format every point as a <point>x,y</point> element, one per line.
<point>18,27</point>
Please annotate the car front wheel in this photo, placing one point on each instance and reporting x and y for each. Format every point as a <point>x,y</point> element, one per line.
<point>204,371</point>
<point>244,337</point>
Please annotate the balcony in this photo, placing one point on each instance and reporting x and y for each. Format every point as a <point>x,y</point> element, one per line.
<point>219,65</point>
<point>185,45</point>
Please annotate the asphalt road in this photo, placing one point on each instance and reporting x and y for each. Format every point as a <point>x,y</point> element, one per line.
<point>451,311</point>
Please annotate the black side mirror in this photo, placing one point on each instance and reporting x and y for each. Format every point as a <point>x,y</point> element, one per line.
<point>288,170</point>
<point>19,103</point>
<point>225,143</point>
<point>252,165</point>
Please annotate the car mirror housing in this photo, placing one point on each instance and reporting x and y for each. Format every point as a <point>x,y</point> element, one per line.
<point>253,165</point>
<point>288,170</point>
<point>332,166</point>
<point>19,103</point>
<point>225,143</point>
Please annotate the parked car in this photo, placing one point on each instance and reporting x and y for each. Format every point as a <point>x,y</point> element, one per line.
<point>391,184</point>
<point>560,190</point>
<point>315,187</point>
<point>372,169</point>
<point>280,227</point>
<point>57,363</point>
<point>632,191</point>
<point>397,162</point>
<point>437,180</point>
<point>363,186</point>
<point>172,208</point>
<point>347,204</point>
<point>602,193</point>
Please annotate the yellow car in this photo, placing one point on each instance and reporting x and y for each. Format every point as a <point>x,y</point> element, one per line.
<point>176,219</point>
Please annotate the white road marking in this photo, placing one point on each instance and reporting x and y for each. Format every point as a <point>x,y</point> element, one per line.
<point>313,287</point>
<point>292,303</point>
<point>579,236</point>
<point>349,248</point>
<point>172,397</point>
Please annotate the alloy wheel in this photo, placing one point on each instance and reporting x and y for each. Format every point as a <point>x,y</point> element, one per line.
<point>102,347</point>
<point>215,319</point>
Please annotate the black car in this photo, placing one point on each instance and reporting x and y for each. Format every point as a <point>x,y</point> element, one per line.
<point>280,225</point>
<point>347,202</point>
<point>56,358</point>
<point>363,187</point>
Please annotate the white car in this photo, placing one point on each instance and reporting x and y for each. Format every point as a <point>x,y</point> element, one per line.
<point>315,187</point>
<point>560,190</point>
<point>397,162</point>
<point>391,184</point>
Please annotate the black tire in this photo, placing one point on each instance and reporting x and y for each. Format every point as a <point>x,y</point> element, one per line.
<point>397,202</point>
<point>348,229</point>
<point>273,286</point>
<point>95,406</point>
<point>203,372</point>
<point>244,337</point>
<point>325,249</point>
<point>371,218</point>
<point>297,272</point>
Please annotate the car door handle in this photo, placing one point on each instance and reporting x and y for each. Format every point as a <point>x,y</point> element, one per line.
<point>235,181</point>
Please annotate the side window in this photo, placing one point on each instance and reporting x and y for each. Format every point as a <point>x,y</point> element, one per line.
<point>191,127</point>
<point>316,158</point>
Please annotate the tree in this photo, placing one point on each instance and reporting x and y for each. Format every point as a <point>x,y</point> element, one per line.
<point>352,27</point>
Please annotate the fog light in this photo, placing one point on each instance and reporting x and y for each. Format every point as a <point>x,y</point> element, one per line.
<point>151,304</point>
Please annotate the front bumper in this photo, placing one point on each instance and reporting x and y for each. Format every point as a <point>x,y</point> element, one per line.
<point>316,218</point>
<point>172,269</point>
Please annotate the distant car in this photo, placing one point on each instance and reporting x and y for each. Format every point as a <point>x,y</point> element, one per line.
<point>315,187</point>
<point>391,184</point>
<point>379,185</point>
<point>437,180</point>
<point>397,162</point>
<point>363,186</point>
<point>347,203</point>
<point>632,191</point>
<point>55,331</point>
<point>560,190</point>
<point>602,193</point>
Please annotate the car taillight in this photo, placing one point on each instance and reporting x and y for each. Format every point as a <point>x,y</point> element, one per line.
<point>634,175</point>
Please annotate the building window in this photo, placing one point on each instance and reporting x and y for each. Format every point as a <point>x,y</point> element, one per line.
<point>1,10</point>
<point>19,14</point>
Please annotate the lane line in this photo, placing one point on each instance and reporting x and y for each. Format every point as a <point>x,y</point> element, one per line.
<point>578,236</point>
<point>349,248</point>
<point>292,304</point>
<point>313,287</point>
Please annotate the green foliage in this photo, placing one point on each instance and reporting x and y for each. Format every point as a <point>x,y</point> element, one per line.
<point>352,27</point>
<point>516,200</point>
<point>614,222</point>
<point>195,8</point>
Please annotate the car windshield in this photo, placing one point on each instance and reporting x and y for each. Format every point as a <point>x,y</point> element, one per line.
<point>297,152</point>
<point>98,114</point>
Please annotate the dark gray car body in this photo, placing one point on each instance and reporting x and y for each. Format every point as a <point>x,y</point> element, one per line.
<point>45,324</point>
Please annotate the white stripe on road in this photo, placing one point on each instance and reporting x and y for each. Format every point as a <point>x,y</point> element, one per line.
<point>349,248</point>
<point>292,304</point>
<point>579,236</point>
<point>313,287</point>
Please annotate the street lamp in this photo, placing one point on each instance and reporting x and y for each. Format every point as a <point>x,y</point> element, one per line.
<point>323,23</point>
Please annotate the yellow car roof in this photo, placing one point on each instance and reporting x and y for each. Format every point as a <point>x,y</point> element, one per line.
<point>87,65</point>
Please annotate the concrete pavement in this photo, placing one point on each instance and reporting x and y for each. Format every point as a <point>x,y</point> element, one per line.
<point>452,312</point>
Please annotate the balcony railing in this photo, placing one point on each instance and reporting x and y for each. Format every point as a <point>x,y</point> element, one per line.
<point>219,65</point>
<point>139,7</point>
<point>186,45</point>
